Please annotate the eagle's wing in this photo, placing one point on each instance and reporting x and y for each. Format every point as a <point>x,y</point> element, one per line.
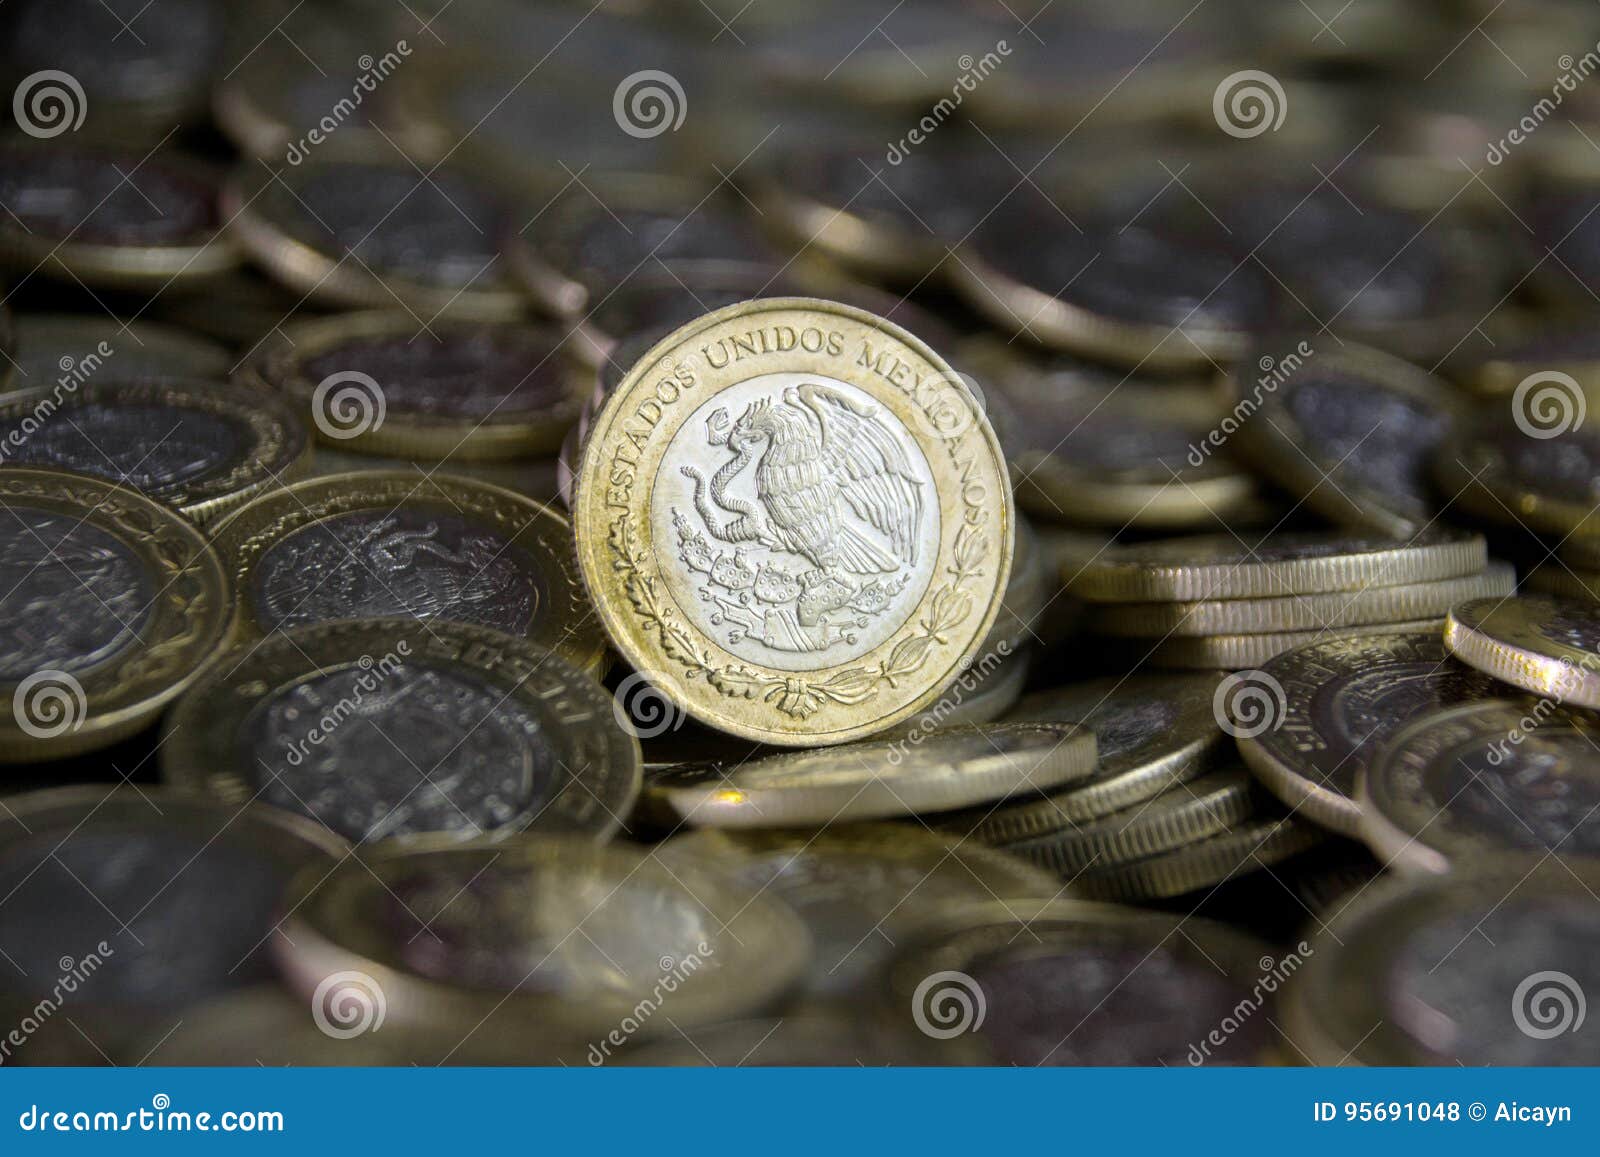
<point>878,482</point>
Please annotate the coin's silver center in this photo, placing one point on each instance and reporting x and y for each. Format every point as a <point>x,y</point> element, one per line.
<point>796,521</point>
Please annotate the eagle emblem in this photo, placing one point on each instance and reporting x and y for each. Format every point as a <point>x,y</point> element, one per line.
<point>834,526</point>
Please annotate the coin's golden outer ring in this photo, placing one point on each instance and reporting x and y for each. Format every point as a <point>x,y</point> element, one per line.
<point>188,618</point>
<point>1500,638</point>
<point>495,436</point>
<point>566,626</point>
<point>599,761</point>
<point>969,509</point>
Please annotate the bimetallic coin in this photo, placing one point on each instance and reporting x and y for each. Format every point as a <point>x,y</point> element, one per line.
<point>1332,611</point>
<point>1545,645</point>
<point>1486,966</point>
<point>203,448</point>
<point>1206,864</point>
<point>1547,483</point>
<point>1069,983</point>
<point>554,938</point>
<point>1237,652</point>
<point>395,727</point>
<point>1151,732</point>
<point>56,348</point>
<point>1484,779</point>
<point>794,517</point>
<point>1348,430</point>
<point>947,769</point>
<point>118,220</point>
<point>1342,698</point>
<point>365,234</point>
<point>1183,814</point>
<point>380,383</point>
<point>111,604</point>
<point>861,889</point>
<point>1220,566</point>
<point>146,900</point>
<point>390,543</point>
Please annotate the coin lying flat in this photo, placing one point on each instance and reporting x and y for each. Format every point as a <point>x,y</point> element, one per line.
<point>108,218</point>
<point>111,604</point>
<point>1236,652</point>
<point>394,727</point>
<point>1220,566</point>
<point>793,516</point>
<point>366,234</point>
<point>1349,430</point>
<point>1184,814</point>
<point>381,543</point>
<point>147,900</point>
<point>1151,732</point>
<point>1333,611</point>
<point>1542,644</point>
<point>380,383</point>
<point>861,889</point>
<point>947,769</point>
<point>1501,474</point>
<point>1483,779</point>
<point>553,937</point>
<point>202,447</point>
<point>1342,697</point>
<point>1088,984</point>
<point>53,348</point>
<point>1206,864</point>
<point>1485,966</point>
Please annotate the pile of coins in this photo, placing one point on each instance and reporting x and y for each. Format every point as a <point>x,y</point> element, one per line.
<point>675,533</point>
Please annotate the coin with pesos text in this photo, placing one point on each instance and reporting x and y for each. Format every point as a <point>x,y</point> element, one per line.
<point>794,517</point>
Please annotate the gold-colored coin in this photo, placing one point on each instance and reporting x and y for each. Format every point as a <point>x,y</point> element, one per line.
<point>381,383</point>
<point>1236,652</point>
<point>388,543</point>
<point>793,517</point>
<point>111,604</point>
<point>1335,610</point>
<point>1235,852</point>
<point>1220,566</point>
<point>400,727</point>
<point>203,448</point>
<point>949,769</point>
<point>1542,644</point>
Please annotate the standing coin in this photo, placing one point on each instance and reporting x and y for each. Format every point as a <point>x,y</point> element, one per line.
<point>1545,482</point>
<point>454,729</point>
<point>1483,779</point>
<point>794,516</point>
<point>112,602</point>
<point>1542,644</point>
<point>201,447</point>
<point>948,769</point>
<point>1342,697</point>
<point>387,543</point>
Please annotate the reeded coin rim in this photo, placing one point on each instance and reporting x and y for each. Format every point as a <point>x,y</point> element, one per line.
<point>1476,633</point>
